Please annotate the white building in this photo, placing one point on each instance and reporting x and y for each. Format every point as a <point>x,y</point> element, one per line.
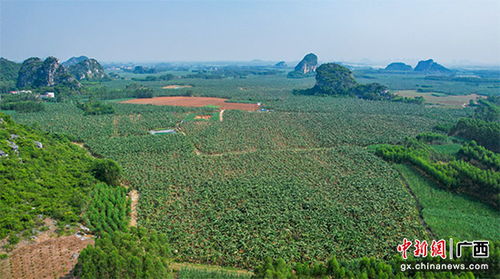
<point>48,95</point>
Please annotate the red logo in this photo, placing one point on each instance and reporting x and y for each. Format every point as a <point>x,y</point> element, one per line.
<point>403,247</point>
<point>438,248</point>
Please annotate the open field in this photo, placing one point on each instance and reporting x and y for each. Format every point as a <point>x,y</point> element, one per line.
<point>413,81</point>
<point>193,102</point>
<point>455,101</point>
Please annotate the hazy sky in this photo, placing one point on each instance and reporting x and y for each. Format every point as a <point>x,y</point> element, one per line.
<point>450,31</point>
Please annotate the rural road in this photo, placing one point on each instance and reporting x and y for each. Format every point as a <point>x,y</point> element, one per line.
<point>220,115</point>
<point>134,198</point>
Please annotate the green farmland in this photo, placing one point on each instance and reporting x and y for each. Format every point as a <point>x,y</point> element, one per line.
<point>294,182</point>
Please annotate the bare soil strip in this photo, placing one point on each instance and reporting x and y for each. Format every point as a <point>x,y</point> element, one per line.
<point>134,198</point>
<point>203,117</point>
<point>193,102</point>
<point>175,86</point>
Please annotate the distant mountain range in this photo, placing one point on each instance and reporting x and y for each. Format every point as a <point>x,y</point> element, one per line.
<point>423,66</point>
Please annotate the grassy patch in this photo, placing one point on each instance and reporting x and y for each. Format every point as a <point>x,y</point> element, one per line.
<point>189,273</point>
<point>452,101</point>
<point>450,149</point>
<point>449,214</point>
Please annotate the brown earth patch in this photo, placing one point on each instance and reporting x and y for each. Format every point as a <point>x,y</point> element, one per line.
<point>193,102</point>
<point>203,117</point>
<point>45,256</point>
<point>53,258</point>
<point>175,86</point>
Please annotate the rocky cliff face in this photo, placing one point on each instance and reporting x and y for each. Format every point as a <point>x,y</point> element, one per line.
<point>28,73</point>
<point>88,69</point>
<point>306,67</point>
<point>47,73</point>
<point>398,66</point>
<point>308,64</point>
<point>37,73</point>
<point>429,66</point>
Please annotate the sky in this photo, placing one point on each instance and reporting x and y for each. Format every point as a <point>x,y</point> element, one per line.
<point>376,31</point>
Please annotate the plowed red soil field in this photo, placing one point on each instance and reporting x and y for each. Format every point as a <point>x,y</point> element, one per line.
<point>53,258</point>
<point>193,102</point>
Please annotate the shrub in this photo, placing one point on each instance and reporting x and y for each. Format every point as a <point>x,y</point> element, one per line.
<point>107,171</point>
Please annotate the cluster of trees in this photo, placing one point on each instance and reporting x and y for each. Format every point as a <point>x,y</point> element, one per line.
<point>132,253</point>
<point>165,77</point>
<point>95,108</point>
<point>455,175</point>
<point>25,102</point>
<point>298,74</point>
<point>139,91</point>
<point>231,72</point>
<point>107,171</point>
<point>432,138</point>
<point>333,79</point>
<point>482,184</point>
<point>104,93</point>
<point>375,268</point>
<point>141,70</point>
<point>488,110</point>
<point>108,209</point>
<point>417,100</point>
<point>336,80</point>
<point>480,156</point>
<point>23,106</point>
<point>485,133</point>
<point>134,90</point>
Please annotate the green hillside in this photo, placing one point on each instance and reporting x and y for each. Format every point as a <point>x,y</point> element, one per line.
<point>8,70</point>
<point>41,175</point>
